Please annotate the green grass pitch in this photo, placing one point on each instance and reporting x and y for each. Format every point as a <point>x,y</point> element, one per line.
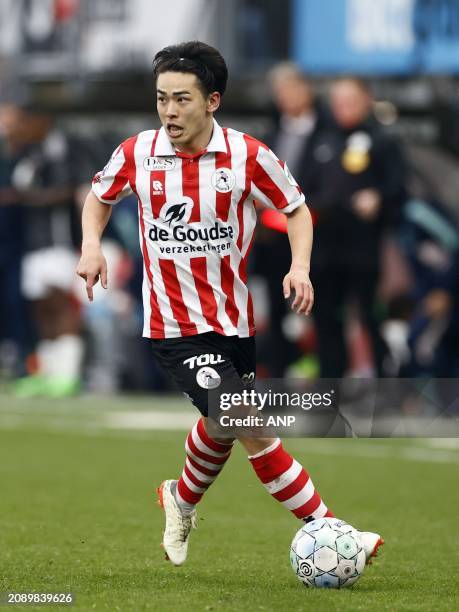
<point>78,513</point>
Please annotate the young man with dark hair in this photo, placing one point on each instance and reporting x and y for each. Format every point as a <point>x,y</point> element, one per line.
<point>196,184</point>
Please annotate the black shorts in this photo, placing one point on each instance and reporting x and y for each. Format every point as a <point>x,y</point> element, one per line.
<point>199,363</point>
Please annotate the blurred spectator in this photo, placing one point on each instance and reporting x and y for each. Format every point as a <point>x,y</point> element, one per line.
<point>13,335</point>
<point>46,172</point>
<point>355,186</point>
<point>300,117</point>
<point>115,357</point>
<point>300,122</point>
<point>430,238</point>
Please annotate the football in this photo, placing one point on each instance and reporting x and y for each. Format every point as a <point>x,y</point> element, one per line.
<point>327,553</point>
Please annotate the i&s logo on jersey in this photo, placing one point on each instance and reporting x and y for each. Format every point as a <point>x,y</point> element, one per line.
<point>159,163</point>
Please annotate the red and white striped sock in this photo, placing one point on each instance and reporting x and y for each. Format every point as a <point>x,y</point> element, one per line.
<point>204,461</point>
<point>288,482</point>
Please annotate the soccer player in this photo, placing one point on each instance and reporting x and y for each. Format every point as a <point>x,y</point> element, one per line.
<point>196,183</point>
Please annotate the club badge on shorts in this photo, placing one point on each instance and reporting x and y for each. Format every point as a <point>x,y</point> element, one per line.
<point>223,180</point>
<point>208,378</point>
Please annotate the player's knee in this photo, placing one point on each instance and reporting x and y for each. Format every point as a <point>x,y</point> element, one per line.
<point>221,440</point>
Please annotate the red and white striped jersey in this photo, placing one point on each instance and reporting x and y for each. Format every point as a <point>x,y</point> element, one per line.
<point>196,223</point>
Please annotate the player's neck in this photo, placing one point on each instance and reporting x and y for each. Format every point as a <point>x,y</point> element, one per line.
<point>199,143</point>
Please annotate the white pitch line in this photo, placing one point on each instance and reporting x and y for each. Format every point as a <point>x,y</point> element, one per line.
<point>142,420</point>
<point>444,443</point>
<point>339,449</point>
<point>438,456</point>
<point>429,450</point>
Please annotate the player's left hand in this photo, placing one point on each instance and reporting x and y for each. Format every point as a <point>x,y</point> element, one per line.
<point>297,280</point>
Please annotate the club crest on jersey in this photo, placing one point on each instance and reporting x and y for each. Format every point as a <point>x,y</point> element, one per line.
<point>179,211</point>
<point>223,180</point>
<point>159,163</point>
<point>208,378</point>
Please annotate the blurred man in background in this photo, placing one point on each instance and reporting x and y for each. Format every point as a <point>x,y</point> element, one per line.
<point>355,186</point>
<point>12,308</point>
<point>430,239</point>
<point>300,122</point>
<point>43,181</point>
<point>300,117</point>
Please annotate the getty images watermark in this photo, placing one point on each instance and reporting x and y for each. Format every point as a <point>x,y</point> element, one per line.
<point>269,401</point>
<point>349,407</point>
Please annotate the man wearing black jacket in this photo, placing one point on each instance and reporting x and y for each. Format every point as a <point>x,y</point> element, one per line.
<point>355,185</point>
<point>300,122</point>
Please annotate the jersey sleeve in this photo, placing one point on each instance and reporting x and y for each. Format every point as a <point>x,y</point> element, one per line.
<point>272,183</point>
<point>111,184</point>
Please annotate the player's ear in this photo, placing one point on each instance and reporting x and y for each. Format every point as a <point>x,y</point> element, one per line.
<point>213,102</point>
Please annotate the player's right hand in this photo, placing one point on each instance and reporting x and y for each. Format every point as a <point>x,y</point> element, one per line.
<point>91,267</point>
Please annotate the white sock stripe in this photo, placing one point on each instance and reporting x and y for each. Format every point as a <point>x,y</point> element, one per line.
<point>216,467</point>
<point>191,485</point>
<point>267,450</point>
<point>321,511</point>
<point>285,479</point>
<point>229,445</point>
<point>204,478</point>
<point>202,446</point>
<point>300,498</point>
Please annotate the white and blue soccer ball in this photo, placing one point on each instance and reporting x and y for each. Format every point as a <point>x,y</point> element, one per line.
<point>327,553</point>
